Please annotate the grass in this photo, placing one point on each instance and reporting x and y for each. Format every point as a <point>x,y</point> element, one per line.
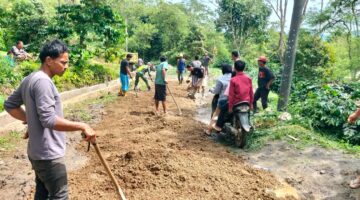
<point>2,99</point>
<point>80,111</point>
<point>270,128</point>
<point>3,53</point>
<point>304,138</point>
<point>9,141</point>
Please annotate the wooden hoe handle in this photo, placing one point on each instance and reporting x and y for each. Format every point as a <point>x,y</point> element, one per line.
<point>107,168</point>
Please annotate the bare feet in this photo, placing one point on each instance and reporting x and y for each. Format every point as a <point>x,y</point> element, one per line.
<point>354,184</point>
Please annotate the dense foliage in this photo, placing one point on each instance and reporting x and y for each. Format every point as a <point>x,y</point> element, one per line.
<point>326,107</point>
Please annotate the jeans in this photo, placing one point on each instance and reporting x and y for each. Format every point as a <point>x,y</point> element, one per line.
<point>262,93</point>
<point>50,179</point>
<point>180,76</point>
<point>224,107</point>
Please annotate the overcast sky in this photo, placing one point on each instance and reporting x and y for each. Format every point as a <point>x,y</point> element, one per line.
<point>313,4</point>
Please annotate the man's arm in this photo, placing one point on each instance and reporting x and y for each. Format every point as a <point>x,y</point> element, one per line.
<point>231,95</point>
<point>164,74</point>
<point>217,88</point>
<point>18,113</point>
<point>269,83</point>
<point>45,108</point>
<point>272,78</point>
<point>251,93</point>
<point>355,116</point>
<point>128,71</point>
<point>13,105</point>
<point>62,124</point>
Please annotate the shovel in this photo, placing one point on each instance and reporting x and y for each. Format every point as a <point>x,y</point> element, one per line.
<point>180,113</point>
<point>107,168</point>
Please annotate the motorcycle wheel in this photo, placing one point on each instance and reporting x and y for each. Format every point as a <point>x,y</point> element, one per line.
<point>240,136</point>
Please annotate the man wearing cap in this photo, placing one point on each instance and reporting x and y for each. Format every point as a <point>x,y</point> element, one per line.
<point>265,79</point>
<point>181,68</point>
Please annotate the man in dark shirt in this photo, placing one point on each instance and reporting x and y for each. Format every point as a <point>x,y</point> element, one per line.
<point>197,76</point>
<point>124,75</point>
<point>265,79</point>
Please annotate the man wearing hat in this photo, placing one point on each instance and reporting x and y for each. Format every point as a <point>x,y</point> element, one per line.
<point>265,79</point>
<point>181,68</point>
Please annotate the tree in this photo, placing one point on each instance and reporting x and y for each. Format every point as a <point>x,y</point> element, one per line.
<point>342,18</point>
<point>91,20</point>
<point>287,75</point>
<point>280,9</point>
<point>242,20</point>
<point>26,21</point>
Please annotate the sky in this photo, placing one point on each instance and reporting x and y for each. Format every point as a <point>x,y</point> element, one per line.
<point>313,4</point>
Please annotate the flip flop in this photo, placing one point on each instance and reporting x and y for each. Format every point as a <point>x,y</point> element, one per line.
<point>354,184</point>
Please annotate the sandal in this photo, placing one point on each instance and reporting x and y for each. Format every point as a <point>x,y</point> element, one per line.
<point>354,184</point>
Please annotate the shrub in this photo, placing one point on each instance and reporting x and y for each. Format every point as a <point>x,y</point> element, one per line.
<point>7,75</point>
<point>222,59</point>
<point>326,107</point>
<point>2,99</point>
<point>27,67</point>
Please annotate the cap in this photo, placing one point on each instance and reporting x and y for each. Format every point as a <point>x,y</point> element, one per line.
<point>262,58</point>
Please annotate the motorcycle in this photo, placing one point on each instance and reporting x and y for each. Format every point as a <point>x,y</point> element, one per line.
<point>238,126</point>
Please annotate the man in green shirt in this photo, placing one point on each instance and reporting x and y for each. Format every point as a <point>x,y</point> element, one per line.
<point>160,84</point>
<point>140,73</point>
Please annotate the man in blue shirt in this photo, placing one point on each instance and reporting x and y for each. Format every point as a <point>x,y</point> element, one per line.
<point>181,68</point>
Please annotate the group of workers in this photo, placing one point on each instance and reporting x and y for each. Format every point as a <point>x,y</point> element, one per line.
<point>197,70</point>
<point>46,125</point>
<point>235,86</point>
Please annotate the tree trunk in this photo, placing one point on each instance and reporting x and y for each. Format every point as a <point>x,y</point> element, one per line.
<point>290,54</point>
<point>283,10</point>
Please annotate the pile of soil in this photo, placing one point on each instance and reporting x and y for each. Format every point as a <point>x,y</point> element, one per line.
<point>164,157</point>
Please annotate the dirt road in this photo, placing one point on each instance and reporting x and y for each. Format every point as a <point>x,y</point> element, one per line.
<point>165,157</point>
<point>153,157</point>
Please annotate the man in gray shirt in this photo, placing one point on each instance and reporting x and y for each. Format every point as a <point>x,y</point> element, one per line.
<point>46,125</point>
<point>19,52</point>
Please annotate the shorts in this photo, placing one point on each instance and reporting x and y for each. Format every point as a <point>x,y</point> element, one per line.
<point>160,92</point>
<point>124,79</point>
